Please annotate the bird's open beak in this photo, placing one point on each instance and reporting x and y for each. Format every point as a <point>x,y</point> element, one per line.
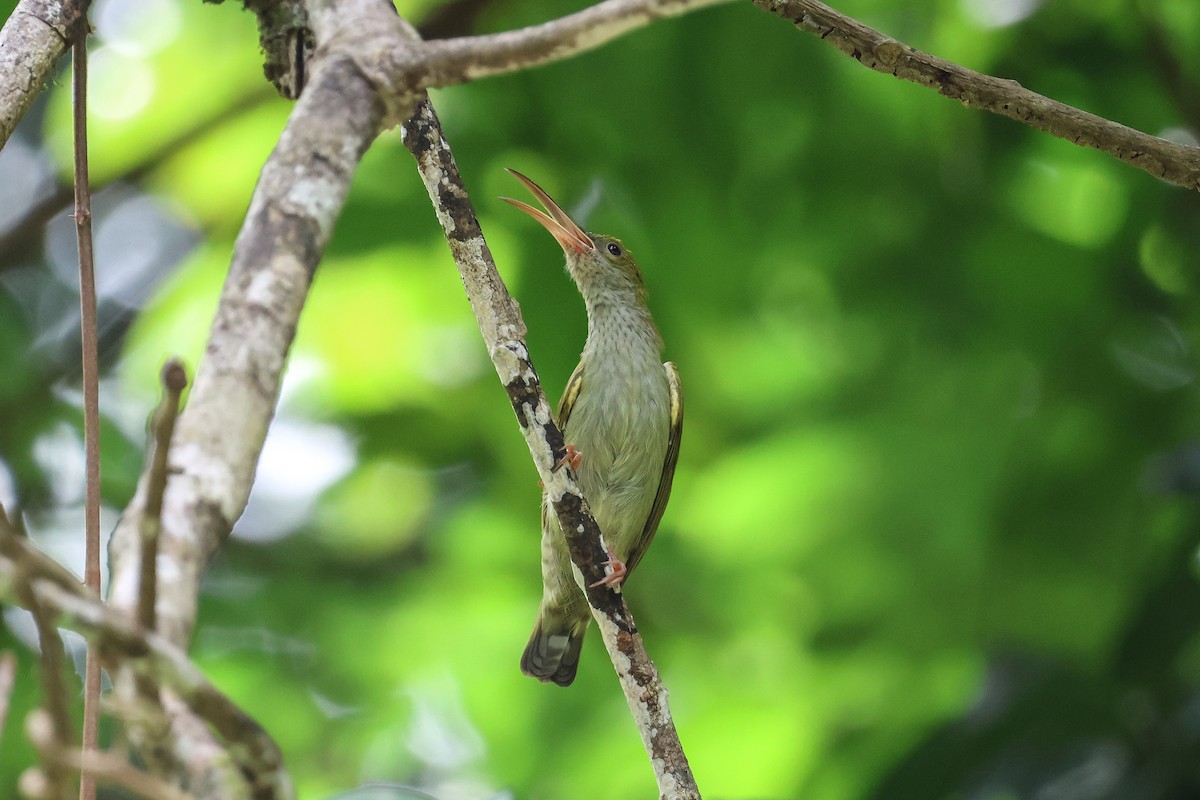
<point>569,235</point>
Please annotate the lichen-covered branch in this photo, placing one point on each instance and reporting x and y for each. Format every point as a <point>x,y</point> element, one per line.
<point>218,438</point>
<point>1176,163</point>
<point>31,41</point>
<point>503,331</point>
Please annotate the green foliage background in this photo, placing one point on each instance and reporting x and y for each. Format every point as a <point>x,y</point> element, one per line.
<point>934,526</point>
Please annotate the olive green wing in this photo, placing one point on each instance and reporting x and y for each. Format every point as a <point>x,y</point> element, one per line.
<point>668,472</point>
<point>570,395</point>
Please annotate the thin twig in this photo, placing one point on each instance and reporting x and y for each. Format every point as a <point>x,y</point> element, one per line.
<point>8,677</point>
<point>162,426</point>
<point>1172,162</point>
<point>106,766</point>
<point>448,62</point>
<point>17,548</point>
<point>503,331</point>
<point>91,392</point>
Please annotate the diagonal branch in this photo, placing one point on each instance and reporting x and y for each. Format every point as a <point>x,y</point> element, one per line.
<point>218,438</point>
<point>1175,163</point>
<point>503,331</point>
<point>91,388</point>
<point>359,80</point>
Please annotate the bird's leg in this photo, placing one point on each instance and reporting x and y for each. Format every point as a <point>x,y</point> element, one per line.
<point>614,571</point>
<point>573,458</point>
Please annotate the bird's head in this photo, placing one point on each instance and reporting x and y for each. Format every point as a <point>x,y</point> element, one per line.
<point>599,264</point>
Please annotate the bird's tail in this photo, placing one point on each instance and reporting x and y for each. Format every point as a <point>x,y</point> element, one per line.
<point>553,650</point>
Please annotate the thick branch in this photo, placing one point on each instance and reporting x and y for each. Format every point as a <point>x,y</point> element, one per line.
<point>33,38</point>
<point>1175,163</point>
<point>218,438</point>
<point>503,331</point>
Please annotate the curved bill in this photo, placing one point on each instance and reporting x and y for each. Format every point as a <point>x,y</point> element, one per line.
<point>569,235</point>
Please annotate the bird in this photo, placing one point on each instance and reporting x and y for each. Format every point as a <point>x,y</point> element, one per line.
<point>621,415</point>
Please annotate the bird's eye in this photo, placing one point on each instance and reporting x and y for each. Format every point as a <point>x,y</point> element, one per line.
<point>614,249</point>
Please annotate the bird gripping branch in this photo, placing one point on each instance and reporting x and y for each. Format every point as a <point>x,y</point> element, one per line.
<point>622,415</point>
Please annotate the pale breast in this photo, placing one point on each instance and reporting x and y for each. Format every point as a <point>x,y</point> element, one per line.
<point>620,423</point>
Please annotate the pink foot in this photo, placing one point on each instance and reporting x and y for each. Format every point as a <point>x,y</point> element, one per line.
<point>573,458</point>
<point>614,573</point>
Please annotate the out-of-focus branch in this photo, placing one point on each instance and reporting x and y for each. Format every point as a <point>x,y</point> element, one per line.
<point>24,563</point>
<point>1175,163</point>
<point>456,18</point>
<point>37,582</point>
<point>28,230</point>
<point>1179,82</point>
<point>162,426</point>
<point>106,767</point>
<point>33,38</point>
<point>503,331</point>
<point>91,389</point>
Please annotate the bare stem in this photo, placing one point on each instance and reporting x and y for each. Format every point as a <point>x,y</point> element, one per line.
<point>162,426</point>
<point>91,393</point>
